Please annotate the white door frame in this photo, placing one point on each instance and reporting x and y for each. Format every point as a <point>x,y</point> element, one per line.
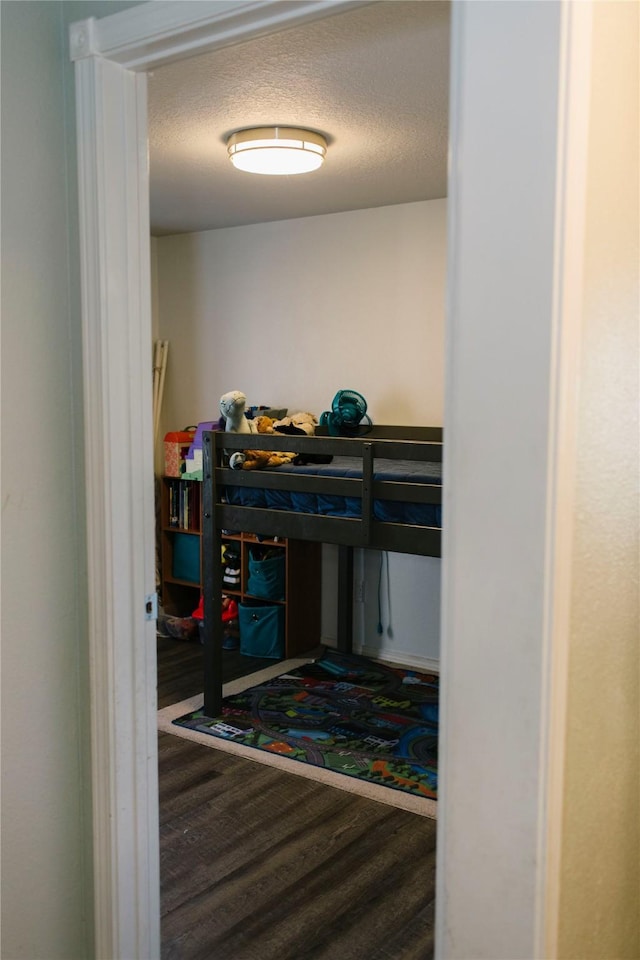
<point>112,56</point>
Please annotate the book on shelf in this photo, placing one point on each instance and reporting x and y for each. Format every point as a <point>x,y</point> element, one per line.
<point>183,498</point>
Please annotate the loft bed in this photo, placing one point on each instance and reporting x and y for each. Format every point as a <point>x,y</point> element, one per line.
<point>381,490</point>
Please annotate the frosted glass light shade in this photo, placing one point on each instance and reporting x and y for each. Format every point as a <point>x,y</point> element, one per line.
<point>278,151</point>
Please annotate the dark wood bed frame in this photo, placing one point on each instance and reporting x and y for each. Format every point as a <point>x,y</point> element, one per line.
<point>388,442</point>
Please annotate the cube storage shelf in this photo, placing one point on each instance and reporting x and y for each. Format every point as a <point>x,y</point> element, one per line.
<point>181,566</point>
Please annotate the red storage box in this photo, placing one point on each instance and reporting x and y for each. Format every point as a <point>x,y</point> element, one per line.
<point>176,448</point>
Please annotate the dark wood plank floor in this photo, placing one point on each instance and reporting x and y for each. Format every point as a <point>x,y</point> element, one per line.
<point>257,864</point>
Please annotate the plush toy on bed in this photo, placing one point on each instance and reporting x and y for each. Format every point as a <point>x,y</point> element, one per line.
<point>264,424</point>
<point>261,459</point>
<point>232,407</point>
<point>301,424</point>
<point>297,423</point>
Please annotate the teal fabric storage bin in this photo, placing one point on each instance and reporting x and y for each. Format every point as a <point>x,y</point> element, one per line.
<point>261,630</point>
<point>266,576</point>
<point>186,557</point>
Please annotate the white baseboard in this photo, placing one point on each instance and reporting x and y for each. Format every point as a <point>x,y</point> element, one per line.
<point>425,664</point>
<point>399,658</point>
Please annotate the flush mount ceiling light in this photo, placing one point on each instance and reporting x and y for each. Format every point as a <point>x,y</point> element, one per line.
<point>276,150</point>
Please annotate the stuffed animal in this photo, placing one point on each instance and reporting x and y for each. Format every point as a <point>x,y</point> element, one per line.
<point>302,423</point>
<point>297,423</point>
<point>264,424</point>
<point>232,407</point>
<point>261,459</point>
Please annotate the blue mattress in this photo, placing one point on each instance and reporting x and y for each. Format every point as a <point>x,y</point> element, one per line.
<point>407,471</point>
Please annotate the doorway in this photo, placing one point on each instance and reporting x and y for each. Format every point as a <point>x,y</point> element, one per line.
<point>397,266</point>
<point>114,241</point>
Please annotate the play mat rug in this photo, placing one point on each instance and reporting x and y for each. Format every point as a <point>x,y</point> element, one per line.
<point>342,712</point>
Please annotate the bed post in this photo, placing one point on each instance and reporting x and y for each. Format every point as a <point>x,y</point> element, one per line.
<point>345,599</point>
<point>212,584</point>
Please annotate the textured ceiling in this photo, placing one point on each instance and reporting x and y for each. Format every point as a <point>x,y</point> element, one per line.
<point>373,80</point>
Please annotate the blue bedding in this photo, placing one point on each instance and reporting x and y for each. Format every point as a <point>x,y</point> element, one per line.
<point>407,471</point>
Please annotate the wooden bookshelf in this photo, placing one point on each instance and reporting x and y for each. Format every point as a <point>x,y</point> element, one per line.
<point>181,565</point>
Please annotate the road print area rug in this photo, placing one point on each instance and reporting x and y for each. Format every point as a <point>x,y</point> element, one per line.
<point>344,713</point>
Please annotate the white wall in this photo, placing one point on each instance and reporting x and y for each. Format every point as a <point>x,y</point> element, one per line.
<point>46,806</point>
<point>404,599</point>
<point>599,911</point>
<point>290,312</point>
<point>503,229</point>
<point>515,330</point>
<point>45,835</point>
